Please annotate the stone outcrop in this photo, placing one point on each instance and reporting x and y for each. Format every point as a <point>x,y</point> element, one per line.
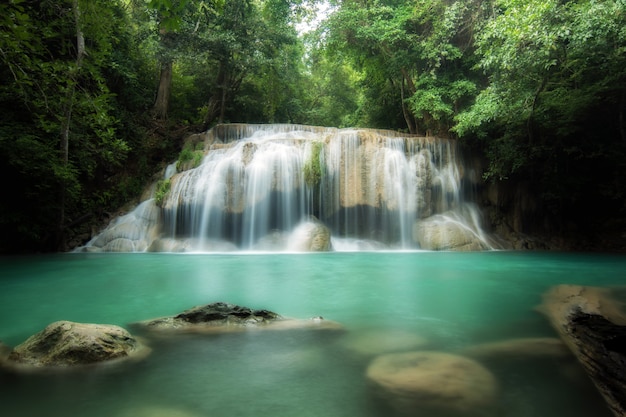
<point>445,232</point>
<point>433,383</point>
<point>310,236</point>
<point>4,352</point>
<point>190,245</point>
<point>224,317</point>
<point>69,344</point>
<point>132,232</point>
<point>593,325</point>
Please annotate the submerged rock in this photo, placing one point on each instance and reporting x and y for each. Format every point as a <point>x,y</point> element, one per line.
<point>434,383</point>
<point>155,411</point>
<point>380,341</point>
<point>66,344</point>
<point>224,317</point>
<point>519,349</point>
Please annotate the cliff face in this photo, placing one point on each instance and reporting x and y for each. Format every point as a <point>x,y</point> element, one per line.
<point>516,213</point>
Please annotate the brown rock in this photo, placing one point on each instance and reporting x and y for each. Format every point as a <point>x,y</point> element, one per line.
<point>65,343</point>
<point>519,349</point>
<point>434,383</point>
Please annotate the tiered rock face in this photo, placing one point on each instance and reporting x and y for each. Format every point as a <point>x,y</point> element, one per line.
<point>401,191</point>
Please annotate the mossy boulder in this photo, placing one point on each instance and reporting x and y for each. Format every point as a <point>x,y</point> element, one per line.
<point>223,317</point>
<point>70,344</point>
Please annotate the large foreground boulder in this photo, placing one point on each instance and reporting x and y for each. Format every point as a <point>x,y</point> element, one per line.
<point>592,324</point>
<point>68,344</point>
<point>433,383</point>
<point>225,317</point>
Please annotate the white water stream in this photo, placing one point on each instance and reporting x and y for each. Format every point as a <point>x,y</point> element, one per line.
<point>359,189</point>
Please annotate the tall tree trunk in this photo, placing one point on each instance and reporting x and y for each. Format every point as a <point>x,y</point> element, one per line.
<point>161,105</point>
<point>408,117</point>
<point>216,103</point>
<point>224,88</point>
<point>622,125</point>
<point>530,123</point>
<point>67,120</point>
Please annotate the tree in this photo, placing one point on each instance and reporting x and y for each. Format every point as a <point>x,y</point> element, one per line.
<point>415,49</point>
<point>59,118</point>
<point>552,110</point>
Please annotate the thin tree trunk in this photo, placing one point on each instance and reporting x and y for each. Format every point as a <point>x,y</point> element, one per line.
<point>67,119</point>
<point>531,116</point>
<point>408,117</point>
<point>622,122</point>
<point>162,102</point>
<point>223,101</point>
<point>216,104</point>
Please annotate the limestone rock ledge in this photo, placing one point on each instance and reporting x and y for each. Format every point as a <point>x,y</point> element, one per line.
<point>223,317</point>
<point>65,344</point>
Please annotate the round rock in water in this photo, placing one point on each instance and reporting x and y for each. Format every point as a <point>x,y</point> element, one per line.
<point>434,383</point>
<point>65,343</point>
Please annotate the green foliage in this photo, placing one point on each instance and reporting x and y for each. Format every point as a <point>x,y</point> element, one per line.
<point>538,86</point>
<point>189,158</point>
<point>410,56</point>
<point>162,190</point>
<point>46,95</point>
<point>312,169</point>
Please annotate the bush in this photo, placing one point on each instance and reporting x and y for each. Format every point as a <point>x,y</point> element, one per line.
<point>162,189</point>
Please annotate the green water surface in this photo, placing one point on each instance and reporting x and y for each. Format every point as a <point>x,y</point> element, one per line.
<point>451,300</point>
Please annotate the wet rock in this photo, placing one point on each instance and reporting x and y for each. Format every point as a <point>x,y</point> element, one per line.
<point>373,342</point>
<point>519,349</point>
<point>443,232</point>
<point>592,324</point>
<point>433,383</point>
<point>66,344</point>
<point>310,236</point>
<point>4,352</point>
<point>190,245</point>
<point>224,317</point>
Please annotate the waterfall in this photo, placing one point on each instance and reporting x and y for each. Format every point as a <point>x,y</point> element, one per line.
<point>293,187</point>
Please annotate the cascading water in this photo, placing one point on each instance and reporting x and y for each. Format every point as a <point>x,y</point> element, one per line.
<point>291,187</point>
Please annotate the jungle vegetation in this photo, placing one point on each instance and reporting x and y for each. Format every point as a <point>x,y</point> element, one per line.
<point>97,95</point>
